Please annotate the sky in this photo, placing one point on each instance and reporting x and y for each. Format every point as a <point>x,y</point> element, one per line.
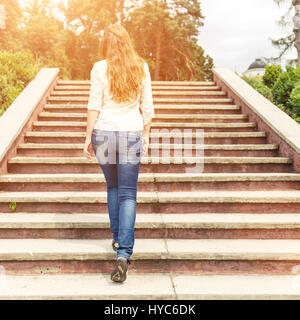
<point>236,32</point>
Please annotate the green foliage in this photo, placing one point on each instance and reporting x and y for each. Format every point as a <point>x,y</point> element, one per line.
<point>45,36</point>
<point>13,17</point>
<point>284,85</point>
<point>165,34</point>
<point>294,101</point>
<point>258,85</point>
<point>283,92</point>
<point>85,19</point>
<point>271,75</point>
<point>16,71</point>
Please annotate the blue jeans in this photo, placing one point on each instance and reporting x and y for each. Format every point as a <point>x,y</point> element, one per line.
<point>119,156</point>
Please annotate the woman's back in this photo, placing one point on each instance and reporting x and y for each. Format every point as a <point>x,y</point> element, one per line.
<point>119,116</point>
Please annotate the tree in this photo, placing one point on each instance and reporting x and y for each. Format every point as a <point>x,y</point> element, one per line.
<point>44,35</point>
<point>17,69</point>
<point>271,75</point>
<point>13,16</point>
<point>84,20</point>
<point>287,42</point>
<point>294,101</point>
<point>284,85</point>
<point>296,20</point>
<point>165,33</point>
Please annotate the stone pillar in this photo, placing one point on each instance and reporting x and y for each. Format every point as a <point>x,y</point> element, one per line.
<point>296,21</point>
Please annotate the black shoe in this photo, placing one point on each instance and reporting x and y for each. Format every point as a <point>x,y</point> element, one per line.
<point>121,270</point>
<point>114,245</point>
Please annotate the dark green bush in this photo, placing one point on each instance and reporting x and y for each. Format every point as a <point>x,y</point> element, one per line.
<point>294,101</point>
<point>271,75</point>
<point>17,69</point>
<point>284,92</point>
<point>284,85</point>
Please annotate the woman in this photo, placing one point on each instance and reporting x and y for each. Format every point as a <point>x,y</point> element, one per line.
<point>119,134</point>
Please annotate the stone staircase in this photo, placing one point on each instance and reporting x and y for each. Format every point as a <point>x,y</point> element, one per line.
<point>229,232</point>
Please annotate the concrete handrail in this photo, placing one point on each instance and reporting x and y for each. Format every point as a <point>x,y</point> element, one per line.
<point>278,120</point>
<point>13,121</point>
<point>261,110</point>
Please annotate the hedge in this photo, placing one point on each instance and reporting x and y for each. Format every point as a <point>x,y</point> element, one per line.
<point>17,69</point>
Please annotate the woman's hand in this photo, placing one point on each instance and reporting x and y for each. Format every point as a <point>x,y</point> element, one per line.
<point>145,143</point>
<point>87,150</point>
<point>91,120</point>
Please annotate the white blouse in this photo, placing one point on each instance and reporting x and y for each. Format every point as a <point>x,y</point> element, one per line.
<point>116,116</point>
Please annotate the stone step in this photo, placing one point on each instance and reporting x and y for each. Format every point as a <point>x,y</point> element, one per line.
<point>151,225</point>
<point>157,146</point>
<point>153,164</point>
<point>154,87</point>
<point>151,221</point>
<point>156,160</point>
<point>51,116</point>
<point>146,249</point>
<point>147,202</point>
<point>70,99</point>
<point>74,146</point>
<point>155,94</point>
<point>180,92</point>
<point>198,256</point>
<point>79,126</point>
<point>154,83</point>
<point>159,116</point>
<point>209,137</point>
<point>152,177</point>
<point>161,286</point>
<point>87,287</point>
<point>159,108</point>
<point>62,149</point>
<point>194,107</point>
<point>237,287</point>
<point>292,196</point>
<point>153,181</point>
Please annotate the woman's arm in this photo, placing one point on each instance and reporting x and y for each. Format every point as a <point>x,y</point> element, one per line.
<point>147,127</point>
<point>147,109</point>
<point>146,135</point>
<point>91,121</point>
<point>94,107</point>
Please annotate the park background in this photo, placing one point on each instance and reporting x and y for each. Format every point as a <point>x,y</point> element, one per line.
<point>180,40</point>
